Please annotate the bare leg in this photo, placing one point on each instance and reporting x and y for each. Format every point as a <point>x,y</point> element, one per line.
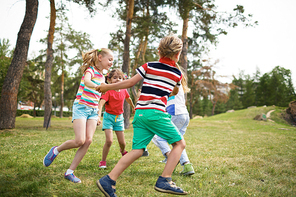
<point>125,162</point>
<point>173,158</point>
<point>121,140</point>
<point>108,143</point>
<point>79,126</point>
<point>90,130</point>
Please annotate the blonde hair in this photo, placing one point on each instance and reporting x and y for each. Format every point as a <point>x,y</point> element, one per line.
<point>90,58</point>
<point>170,46</point>
<point>184,79</point>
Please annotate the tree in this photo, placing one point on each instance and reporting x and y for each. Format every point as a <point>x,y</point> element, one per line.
<point>47,86</point>
<point>48,67</point>
<point>209,24</point>
<point>144,23</point>
<point>211,88</point>
<point>8,102</point>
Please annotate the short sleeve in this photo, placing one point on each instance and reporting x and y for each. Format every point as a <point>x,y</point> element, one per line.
<point>142,70</point>
<point>126,94</point>
<point>105,96</point>
<point>90,71</point>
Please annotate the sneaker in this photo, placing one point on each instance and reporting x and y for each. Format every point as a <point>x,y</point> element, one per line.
<point>107,186</point>
<point>73,178</point>
<point>48,159</point>
<point>145,153</point>
<point>187,169</point>
<point>102,164</point>
<point>163,161</point>
<point>166,185</point>
<point>124,153</point>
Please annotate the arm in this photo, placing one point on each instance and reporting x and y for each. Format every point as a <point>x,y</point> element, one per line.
<point>101,104</point>
<point>121,85</point>
<point>130,102</point>
<point>88,82</point>
<point>175,91</point>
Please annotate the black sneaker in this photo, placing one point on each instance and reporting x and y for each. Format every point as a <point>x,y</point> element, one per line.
<point>166,185</point>
<point>145,153</point>
<point>107,186</point>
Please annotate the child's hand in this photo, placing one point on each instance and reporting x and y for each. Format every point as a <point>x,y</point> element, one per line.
<point>101,88</point>
<point>99,122</point>
<point>133,110</point>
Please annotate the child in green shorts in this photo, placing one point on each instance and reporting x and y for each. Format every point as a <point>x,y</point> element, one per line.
<point>161,80</point>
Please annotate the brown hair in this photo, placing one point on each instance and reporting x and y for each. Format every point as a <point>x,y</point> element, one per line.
<point>112,73</point>
<point>90,58</point>
<point>170,46</point>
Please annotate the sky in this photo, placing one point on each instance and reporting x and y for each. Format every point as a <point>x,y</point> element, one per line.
<point>271,43</point>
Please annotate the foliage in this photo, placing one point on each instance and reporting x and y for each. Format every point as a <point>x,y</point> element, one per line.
<point>32,84</point>
<point>40,113</point>
<point>232,154</point>
<point>5,59</point>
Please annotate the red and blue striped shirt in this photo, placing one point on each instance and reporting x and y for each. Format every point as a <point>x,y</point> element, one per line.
<point>160,78</point>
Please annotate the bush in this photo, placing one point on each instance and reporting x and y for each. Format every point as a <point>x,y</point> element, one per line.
<point>40,113</point>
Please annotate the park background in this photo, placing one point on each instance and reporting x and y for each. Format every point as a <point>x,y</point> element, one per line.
<point>233,155</point>
<point>245,56</point>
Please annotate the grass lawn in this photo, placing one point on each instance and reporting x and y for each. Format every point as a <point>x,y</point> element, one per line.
<point>232,154</point>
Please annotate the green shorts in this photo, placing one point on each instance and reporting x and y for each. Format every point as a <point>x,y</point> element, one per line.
<point>150,122</point>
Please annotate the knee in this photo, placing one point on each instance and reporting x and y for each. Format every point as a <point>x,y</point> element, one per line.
<point>109,142</point>
<point>79,142</point>
<point>182,144</point>
<point>88,141</point>
<point>122,143</point>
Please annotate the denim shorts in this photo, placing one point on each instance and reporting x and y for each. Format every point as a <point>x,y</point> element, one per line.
<point>114,122</point>
<point>81,111</point>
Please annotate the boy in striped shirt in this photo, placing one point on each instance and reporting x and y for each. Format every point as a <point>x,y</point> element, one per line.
<point>161,80</point>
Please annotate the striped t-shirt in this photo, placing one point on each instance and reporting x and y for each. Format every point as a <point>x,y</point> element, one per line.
<point>86,95</point>
<point>160,78</point>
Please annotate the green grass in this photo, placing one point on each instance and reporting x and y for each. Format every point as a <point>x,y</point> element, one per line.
<point>233,155</point>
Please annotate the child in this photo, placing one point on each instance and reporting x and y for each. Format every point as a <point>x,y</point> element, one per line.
<point>177,109</point>
<point>161,79</point>
<point>113,117</point>
<point>85,109</point>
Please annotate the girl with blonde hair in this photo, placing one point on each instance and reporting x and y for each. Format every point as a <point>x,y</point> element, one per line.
<point>85,109</point>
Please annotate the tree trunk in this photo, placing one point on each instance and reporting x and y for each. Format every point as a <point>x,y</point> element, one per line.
<point>183,57</point>
<point>8,102</point>
<point>48,66</point>
<point>126,56</point>
<point>62,86</point>
<point>62,92</point>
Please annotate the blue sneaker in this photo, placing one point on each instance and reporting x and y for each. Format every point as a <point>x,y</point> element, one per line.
<point>48,159</point>
<point>166,185</point>
<point>73,178</point>
<point>107,186</point>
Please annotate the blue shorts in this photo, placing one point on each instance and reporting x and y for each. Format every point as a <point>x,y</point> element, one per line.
<point>81,111</point>
<point>113,122</point>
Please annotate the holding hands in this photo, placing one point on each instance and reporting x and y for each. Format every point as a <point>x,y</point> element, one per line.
<point>102,88</point>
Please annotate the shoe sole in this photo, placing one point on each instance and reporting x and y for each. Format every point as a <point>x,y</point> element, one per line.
<point>188,173</point>
<point>169,191</point>
<point>73,181</point>
<point>102,189</point>
<point>102,167</point>
<point>44,159</point>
